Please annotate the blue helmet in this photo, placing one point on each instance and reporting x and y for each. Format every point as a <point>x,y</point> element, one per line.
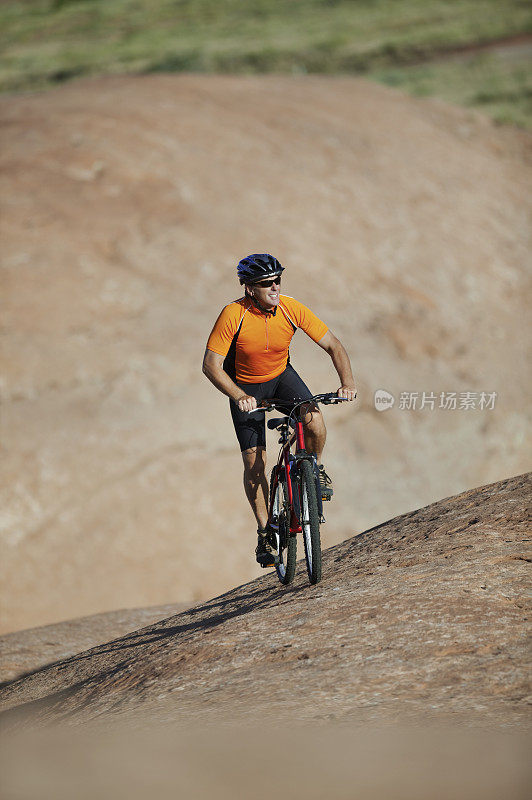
<point>258,266</point>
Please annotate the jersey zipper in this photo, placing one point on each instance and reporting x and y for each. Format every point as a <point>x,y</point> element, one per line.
<point>267,342</point>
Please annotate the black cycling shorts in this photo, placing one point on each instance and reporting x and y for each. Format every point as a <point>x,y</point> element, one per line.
<point>250,428</point>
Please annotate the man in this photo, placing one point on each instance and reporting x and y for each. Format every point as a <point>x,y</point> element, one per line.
<point>247,359</point>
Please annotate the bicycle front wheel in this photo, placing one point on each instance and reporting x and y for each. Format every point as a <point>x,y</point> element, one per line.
<point>310,520</point>
<point>280,521</point>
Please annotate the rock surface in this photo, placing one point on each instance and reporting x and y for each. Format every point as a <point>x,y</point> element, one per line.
<point>423,617</point>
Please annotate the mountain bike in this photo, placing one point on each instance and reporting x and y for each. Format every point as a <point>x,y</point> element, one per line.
<point>295,502</point>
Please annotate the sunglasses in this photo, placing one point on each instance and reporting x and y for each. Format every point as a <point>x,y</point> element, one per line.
<point>266,284</point>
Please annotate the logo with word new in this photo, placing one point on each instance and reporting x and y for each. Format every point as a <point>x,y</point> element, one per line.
<point>383,400</point>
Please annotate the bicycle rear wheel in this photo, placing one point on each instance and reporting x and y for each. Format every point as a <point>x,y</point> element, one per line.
<point>310,520</point>
<point>280,522</point>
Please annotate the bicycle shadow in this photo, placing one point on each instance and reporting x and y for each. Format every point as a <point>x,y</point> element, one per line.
<point>206,617</point>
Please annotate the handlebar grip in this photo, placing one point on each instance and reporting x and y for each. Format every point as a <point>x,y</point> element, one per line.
<point>332,397</point>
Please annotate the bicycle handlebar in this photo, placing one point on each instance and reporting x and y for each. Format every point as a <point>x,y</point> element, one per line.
<point>272,403</point>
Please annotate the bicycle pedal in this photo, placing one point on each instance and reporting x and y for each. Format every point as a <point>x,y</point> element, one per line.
<point>271,566</point>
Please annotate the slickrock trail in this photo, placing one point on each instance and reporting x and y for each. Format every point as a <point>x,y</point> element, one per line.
<point>421,617</point>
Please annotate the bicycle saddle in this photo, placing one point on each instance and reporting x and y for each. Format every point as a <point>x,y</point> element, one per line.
<point>276,422</point>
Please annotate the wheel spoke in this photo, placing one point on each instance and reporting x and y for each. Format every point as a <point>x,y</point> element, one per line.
<point>287,545</point>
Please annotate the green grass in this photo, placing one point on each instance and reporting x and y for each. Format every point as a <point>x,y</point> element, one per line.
<point>400,42</point>
<point>497,85</point>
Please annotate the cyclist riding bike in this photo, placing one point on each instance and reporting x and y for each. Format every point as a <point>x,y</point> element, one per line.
<point>247,359</point>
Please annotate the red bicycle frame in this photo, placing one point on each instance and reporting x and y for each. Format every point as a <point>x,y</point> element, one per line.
<point>288,460</point>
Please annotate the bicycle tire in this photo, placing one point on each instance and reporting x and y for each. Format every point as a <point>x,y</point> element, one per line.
<point>310,521</point>
<point>286,544</point>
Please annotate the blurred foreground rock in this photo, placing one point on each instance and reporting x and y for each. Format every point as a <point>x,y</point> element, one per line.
<point>311,762</point>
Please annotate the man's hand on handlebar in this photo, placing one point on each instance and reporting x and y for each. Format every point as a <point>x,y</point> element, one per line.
<point>247,403</point>
<point>347,392</point>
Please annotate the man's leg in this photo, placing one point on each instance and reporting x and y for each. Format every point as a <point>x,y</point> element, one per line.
<point>256,483</point>
<point>315,436</point>
<point>291,385</point>
<point>315,430</point>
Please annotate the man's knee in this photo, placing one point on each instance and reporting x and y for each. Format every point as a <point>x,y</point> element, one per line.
<point>313,419</point>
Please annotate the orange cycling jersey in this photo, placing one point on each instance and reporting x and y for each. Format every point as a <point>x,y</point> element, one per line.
<point>255,344</point>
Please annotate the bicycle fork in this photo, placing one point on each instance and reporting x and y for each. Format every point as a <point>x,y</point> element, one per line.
<point>304,456</point>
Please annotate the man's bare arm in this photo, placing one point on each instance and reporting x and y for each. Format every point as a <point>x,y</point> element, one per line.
<point>342,364</point>
<point>213,369</point>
